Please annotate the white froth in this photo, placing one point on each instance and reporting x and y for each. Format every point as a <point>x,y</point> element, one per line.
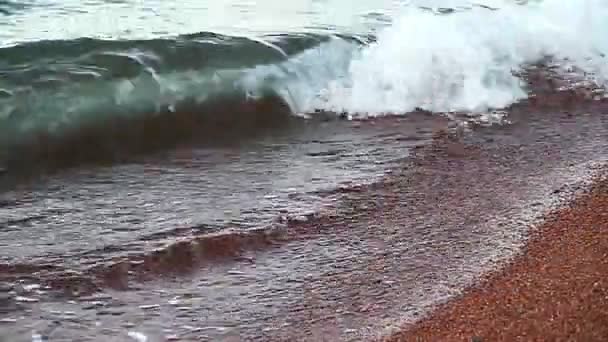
<point>463,61</point>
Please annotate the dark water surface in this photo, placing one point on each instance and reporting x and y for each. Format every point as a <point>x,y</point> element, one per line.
<point>243,184</point>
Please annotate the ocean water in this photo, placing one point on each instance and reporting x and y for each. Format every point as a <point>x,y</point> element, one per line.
<point>128,127</point>
<point>70,68</point>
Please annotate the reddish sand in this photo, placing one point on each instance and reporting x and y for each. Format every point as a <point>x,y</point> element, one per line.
<point>557,290</point>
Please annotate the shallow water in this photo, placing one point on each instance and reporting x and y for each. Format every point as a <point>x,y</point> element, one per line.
<point>241,185</point>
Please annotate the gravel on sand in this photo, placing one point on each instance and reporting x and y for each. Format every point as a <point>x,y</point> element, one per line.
<point>556,290</point>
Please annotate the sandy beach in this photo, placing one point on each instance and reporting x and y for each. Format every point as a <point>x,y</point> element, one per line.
<point>556,290</point>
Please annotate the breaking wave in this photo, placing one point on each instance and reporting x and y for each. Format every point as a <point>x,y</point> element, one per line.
<point>114,96</point>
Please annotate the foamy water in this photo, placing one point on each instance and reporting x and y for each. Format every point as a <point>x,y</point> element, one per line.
<point>464,61</point>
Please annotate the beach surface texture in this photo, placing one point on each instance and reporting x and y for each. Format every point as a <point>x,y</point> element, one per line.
<point>555,291</point>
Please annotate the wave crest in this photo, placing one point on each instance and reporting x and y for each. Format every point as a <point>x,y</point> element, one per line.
<point>467,60</point>
<point>109,92</point>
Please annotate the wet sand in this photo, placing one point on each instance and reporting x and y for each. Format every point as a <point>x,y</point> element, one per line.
<point>555,291</point>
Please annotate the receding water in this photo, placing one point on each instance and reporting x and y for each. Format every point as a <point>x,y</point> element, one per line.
<point>242,185</point>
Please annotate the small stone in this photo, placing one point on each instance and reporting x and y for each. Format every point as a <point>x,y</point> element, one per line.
<point>8,320</point>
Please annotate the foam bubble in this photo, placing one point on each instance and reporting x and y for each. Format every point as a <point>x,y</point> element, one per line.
<point>464,61</point>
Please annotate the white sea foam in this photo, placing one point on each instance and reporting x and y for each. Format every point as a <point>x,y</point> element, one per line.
<point>463,61</point>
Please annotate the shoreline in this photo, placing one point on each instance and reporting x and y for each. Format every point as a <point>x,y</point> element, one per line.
<point>555,289</point>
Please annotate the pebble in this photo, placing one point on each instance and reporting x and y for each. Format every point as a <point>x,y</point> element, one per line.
<point>8,320</point>
<point>543,294</point>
